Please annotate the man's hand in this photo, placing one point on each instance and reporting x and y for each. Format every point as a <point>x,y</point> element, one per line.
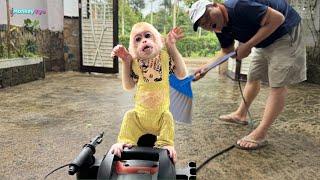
<point>117,148</point>
<point>243,51</point>
<point>198,73</point>
<point>172,153</point>
<point>122,53</point>
<point>174,36</point>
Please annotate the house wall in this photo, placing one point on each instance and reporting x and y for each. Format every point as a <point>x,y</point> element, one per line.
<point>71,8</point>
<point>52,17</point>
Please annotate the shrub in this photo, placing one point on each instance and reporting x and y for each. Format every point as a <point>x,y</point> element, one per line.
<point>124,40</point>
<point>2,50</point>
<point>190,46</point>
<point>198,46</point>
<point>23,40</point>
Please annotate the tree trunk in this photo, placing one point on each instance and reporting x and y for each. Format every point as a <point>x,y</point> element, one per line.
<point>8,28</point>
<point>122,17</point>
<point>151,20</point>
<point>178,9</point>
<point>174,13</point>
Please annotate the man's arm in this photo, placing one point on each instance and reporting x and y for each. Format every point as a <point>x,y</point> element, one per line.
<point>269,23</point>
<point>198,73</point>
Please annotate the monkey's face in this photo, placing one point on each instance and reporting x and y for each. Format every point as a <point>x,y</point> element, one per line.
<point>145,45</point>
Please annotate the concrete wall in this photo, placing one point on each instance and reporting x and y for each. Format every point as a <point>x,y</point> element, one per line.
<point>52,19</point>
<point>55,15</point>
<point>71,8</point>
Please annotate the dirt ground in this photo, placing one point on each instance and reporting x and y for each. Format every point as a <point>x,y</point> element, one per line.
<point>44,124</point>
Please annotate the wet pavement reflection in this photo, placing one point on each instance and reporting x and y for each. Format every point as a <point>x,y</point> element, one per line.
<point>44,124</point>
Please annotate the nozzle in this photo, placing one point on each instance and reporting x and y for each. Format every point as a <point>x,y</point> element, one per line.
<point>72,169</point>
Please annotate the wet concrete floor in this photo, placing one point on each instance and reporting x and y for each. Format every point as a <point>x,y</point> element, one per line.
<point>44,124</point>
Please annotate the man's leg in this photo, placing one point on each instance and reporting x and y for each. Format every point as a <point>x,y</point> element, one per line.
<point>286,65</point>
<point>258,72</point>
<point>251,90</point>
<point>274,106</point>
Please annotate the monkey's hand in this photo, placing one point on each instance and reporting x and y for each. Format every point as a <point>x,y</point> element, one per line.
<point>174,35</point>
<point>117,148</point>
<point>122,53</point>
<point>172,153</point>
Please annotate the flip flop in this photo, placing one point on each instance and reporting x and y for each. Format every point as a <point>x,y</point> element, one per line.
<point>230,119</point>
<point>259,144</point>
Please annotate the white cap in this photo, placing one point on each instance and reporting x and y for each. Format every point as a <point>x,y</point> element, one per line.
<point>197,10</point>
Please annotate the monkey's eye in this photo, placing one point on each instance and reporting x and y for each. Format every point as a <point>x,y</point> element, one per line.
<point>138,39</point>
<point>147,35</point>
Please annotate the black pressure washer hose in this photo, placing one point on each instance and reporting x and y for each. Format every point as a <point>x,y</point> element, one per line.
<point>251,123</point>
<point>214,156</point>
<point>56,170</point>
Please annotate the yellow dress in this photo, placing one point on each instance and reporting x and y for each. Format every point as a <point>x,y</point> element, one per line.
<point>151,114</point>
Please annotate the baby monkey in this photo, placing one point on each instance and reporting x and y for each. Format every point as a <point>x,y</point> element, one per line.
<point>147,64</point>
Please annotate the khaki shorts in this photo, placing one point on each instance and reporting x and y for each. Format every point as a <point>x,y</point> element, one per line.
<point>281,63</point>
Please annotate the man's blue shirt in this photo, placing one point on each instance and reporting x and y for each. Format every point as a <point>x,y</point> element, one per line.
<point>245,17</point>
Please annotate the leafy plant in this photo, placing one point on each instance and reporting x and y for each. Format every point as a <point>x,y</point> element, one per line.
<point>2,50</point>
<point>26,45</point>
<point>31,26</point>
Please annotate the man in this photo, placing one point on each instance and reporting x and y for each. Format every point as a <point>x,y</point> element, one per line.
<point>279,57</point>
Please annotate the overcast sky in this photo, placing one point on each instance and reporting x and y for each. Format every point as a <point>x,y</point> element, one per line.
<point>156,6</point>
<point>151,6</point>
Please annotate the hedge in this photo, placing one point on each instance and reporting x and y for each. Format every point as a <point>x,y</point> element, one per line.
<point>191,46</point>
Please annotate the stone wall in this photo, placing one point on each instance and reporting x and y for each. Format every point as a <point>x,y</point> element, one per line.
<point>21,74</point>
<point>51,48</point>
<point>71,44</point>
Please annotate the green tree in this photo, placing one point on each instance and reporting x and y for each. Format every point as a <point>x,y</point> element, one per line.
<point>122,12</point>
<point>128,17</point>
<point>167,6</point>
<point>174,12</point>
<point>137,5</point>
<point>159,20</point>
<point>151,14</point>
